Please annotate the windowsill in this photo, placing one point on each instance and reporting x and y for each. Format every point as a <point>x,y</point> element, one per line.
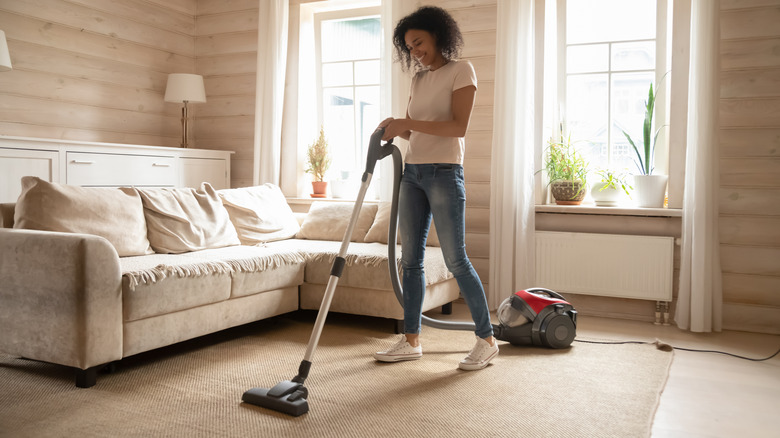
<point>622,210</point>
<point>612,211</point>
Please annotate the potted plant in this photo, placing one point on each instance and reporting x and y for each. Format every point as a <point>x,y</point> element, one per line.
<point>566,170</point>
<point>651,188</point>
<point>317,163</point>
<point>606,193</point>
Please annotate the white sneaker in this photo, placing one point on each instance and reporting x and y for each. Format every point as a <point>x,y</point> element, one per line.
<point>480,356</point>
<point>402,350</point>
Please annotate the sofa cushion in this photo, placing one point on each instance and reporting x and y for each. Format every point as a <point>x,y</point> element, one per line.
<point>115,214</point>
<point>329,221</point>
<point>366,264</point>
<point>182,220</point>
<point>379,229</point>
<point>260,213</point>
<point>158,284</point>
<point>165,283</point>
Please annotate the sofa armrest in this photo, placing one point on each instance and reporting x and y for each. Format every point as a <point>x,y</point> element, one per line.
<point>60,298</point>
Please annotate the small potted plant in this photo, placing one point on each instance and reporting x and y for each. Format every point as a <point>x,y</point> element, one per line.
<point>317,163</point>
<point>606,193</point>
<point>650,187</point>
<point>566,170</point>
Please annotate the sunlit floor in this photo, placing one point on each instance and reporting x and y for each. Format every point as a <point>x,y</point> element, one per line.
<point>707,394</point>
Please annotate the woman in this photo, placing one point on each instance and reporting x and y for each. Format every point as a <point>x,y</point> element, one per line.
<point>440,105</point>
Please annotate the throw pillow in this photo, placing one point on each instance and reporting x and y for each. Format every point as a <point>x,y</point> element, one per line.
<point>114,214</point>
<point>329,221</point>
<point>381,225</point>
<point>260,214</point>
<point>182,220</point>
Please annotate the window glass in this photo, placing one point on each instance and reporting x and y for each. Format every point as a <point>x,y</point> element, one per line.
<point>349,84</point>
<point>593,21</point>
<point>336,74</point>
<point>350,39</point>
<point>636,55</point>
<point>587,58</point>
<point>610,60</point>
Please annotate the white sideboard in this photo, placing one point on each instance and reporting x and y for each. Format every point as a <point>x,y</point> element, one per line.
<point>107,165</point>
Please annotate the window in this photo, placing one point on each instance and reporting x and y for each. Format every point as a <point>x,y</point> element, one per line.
<point>348,82</point>
<point>610,53</point>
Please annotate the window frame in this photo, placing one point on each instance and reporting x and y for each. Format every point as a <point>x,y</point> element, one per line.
<point>327,15</point>
<point>663,43</point>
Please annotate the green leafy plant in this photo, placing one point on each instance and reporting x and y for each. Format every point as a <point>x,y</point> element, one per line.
<point>646,157</point>
<point>318,157</point>
<point>564,163</point>
<point>614,179</point>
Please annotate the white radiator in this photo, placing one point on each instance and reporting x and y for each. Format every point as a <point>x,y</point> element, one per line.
<point>605,264</point>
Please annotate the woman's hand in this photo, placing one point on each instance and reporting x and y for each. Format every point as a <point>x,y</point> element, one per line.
<point>394,128</point>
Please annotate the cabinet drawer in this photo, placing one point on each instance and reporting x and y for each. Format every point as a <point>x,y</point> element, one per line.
<point>90,169</point>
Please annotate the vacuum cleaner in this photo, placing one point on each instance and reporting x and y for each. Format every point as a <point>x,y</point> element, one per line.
<point>536,316</point>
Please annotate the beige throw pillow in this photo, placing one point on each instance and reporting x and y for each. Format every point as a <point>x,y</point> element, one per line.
<point>114,214</point>
<point>329,221</point>
<point>381,225</point>
<point>183,220</point>
<point>260,213</point>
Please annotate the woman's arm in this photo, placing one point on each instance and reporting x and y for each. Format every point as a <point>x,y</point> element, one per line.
<point>462,105</point>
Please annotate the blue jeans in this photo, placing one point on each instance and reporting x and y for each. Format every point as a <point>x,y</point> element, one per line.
<point>438,191</point>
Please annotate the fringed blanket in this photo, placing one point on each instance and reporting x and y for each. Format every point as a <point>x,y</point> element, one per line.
<point>374,255</point>
<point>155,267</point>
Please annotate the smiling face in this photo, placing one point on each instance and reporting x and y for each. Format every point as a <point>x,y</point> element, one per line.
<point>422,46</point>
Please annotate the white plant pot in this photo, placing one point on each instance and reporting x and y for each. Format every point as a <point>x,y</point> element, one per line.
<point>650,190</point>
<point>604,198</point>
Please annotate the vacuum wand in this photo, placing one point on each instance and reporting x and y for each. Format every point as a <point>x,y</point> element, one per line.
<point>289,396</point>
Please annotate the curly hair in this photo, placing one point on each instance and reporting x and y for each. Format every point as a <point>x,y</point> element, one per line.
<point>431,19</point>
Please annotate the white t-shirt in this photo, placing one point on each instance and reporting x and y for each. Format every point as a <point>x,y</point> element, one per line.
<point>431,100</point>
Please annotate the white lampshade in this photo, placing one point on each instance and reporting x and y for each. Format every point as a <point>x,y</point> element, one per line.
<point>185,87</point>
<point>5,57</point>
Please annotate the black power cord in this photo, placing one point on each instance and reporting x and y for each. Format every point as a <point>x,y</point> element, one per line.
<point>667,347</point>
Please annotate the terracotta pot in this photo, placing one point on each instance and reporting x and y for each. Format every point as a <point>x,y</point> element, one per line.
<point>320,188</point>
<point>568,192</point>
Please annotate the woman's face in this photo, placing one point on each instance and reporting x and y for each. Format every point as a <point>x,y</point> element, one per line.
<point>422,46</point>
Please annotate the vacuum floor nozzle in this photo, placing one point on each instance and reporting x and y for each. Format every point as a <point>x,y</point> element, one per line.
<point>286,397</point>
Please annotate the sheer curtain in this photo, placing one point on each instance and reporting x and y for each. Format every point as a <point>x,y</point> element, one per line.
<point>512,161</point>
<point>271,66</point>
<point>699,303</point>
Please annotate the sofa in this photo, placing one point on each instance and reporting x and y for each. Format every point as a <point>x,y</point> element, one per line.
<point>89,276</point>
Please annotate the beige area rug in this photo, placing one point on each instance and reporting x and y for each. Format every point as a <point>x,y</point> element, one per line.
<point>194,389</point>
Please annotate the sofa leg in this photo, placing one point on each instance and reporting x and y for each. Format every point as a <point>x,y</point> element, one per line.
<point>399,326</point>
<point>86,378</point>
<point>447,309</point>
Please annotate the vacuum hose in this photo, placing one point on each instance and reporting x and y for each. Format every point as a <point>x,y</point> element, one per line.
<point>376,152</point>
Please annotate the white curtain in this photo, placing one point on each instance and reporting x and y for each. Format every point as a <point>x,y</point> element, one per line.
<point>395,86</point>
<point>512,161</point>
<point>700,300</point>
<point>271,66</point>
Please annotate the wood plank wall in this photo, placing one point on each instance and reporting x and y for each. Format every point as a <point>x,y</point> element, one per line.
<point>750,164</point>
<point>477,20</point>
<point>226,51</point>
<point>94,70</point>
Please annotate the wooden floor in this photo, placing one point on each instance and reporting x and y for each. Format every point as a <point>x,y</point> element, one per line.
<point>707,394</point>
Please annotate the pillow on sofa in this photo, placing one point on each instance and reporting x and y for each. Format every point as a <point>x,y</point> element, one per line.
<point>381,225</point>
<point>329,221</point>
<point>260,213</point>
<point>183,220</point>
<point>114,214</point>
